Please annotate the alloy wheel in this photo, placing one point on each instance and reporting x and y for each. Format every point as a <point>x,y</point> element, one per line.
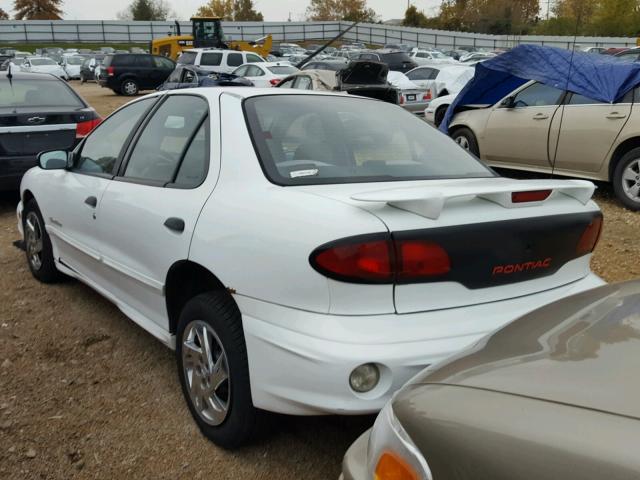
<point>631,180</point>
<point>33,240</point>
<point>130,88</point>
<point>206,372</point>
<point>463,142</point>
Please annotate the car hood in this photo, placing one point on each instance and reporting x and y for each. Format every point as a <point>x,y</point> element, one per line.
<point>363,72</point>
<point>582,351</point>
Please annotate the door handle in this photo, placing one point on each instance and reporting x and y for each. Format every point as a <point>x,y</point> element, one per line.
<point>91,201</point>
<point>616,115</point>
<point>175,224</point>
<point>540,116</point>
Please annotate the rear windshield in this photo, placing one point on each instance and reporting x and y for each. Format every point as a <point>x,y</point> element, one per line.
<point>315,139</point>
<point>283,70</point>
<point>42,61</point>
<point>397,57</point>
<point>36,93</point>
<point>187,58</point>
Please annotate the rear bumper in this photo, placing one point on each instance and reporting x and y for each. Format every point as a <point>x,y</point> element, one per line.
<point>12,169</point>
<point>300,362</point>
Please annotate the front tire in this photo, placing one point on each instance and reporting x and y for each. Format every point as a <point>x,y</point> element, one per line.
<point>214,371</point>
<point>38,245</point>
<point>129,88</point>
<point>626,179</point>
<point>467,140</point>
<point>439,115</point>
<point>82,79</point>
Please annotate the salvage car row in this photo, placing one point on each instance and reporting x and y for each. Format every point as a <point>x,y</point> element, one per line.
<point>382,233</point>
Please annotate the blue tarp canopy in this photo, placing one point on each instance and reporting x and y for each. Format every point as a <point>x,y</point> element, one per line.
<point>601,77</point>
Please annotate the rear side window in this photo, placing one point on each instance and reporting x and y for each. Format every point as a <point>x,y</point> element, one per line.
<point>123,60</point>
<point>102,148</point>
<point>194,165</point>
<point>187,58</point>
<point>234,60</point>
<point>212,59</point>
<point>252,58</point>
<point>582,100</point>
<point>37,93</point>
<point>166,140</point>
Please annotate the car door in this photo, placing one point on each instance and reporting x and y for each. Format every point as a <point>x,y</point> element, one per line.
<point>71,201</point>
<point>149,211</point>
<point>517,134</point>
<point>161,69</point>
<point>589,129</point>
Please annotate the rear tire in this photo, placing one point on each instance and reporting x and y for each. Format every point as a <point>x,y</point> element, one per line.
<point>129,87</point>
<point>467,140</point>
<point>222,408</point>
<point>626,179</point>
<point>38,245</point>
<point>82,79</point>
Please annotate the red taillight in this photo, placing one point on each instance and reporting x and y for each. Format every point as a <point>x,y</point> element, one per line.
<point>401,99</point>
<point>418,258</point>
<point>274,81</point>
<point>590,237</point>
<point>111,71</point>
<point>84,128</point>
<point>532,196</point>
<point>381,260</point>
<point>427,95</point>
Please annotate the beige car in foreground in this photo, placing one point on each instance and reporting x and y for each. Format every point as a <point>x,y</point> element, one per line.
<point>544,129</point>
<point>554,395</point>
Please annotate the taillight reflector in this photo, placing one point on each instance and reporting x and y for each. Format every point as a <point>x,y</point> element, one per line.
<point>418,258</point>
<point>380,260</point>
<point>590,236</point>
<point>84,128</point>
<point>532,196</point>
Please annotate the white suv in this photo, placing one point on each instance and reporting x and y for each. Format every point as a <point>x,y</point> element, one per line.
<point>215,60</point>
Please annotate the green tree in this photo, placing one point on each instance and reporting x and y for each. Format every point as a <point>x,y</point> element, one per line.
<point>489,16</point>
<point>414,18</point>
<point>38,9</point>
<point>3,15</point>
<point>217,8</point>
<point>243,10</point>
<point>351,10</point>
<point>147,10</point>
<point>616,18</point>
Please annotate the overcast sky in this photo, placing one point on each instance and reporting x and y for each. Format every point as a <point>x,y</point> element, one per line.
<point>273,10</point>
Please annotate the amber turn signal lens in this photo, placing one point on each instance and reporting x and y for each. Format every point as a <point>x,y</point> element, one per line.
<point>392,467</point>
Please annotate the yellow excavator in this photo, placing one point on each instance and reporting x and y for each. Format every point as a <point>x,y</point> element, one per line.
<point>206,32</point>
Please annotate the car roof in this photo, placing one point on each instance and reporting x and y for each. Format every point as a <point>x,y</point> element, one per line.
<point>213,93</point>
<point>17,75</point>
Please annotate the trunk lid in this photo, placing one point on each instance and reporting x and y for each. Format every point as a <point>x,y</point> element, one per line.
<point>26,131</point>
<point>362,72</point>
<point>498,249</point>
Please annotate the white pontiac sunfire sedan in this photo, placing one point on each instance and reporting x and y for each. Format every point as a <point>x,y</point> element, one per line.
<point>303,252</point>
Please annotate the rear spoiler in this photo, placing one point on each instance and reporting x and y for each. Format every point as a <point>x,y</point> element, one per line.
<point>429,202</point>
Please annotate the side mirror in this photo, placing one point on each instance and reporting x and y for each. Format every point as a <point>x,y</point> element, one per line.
<point>509,102</point>
<point>53,160</point>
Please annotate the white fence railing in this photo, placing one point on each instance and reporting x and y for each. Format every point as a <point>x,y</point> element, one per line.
<point>85,31</point>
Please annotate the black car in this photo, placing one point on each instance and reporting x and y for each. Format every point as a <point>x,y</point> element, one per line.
<point>38,112</point>
<point>128,73</point>
<point>396,60</point>
<point>334,65</point>
<point>188,76</point>
<point>88,68</point>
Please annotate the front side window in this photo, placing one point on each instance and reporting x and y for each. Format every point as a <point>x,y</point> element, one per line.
<point>163,144</point>
<point>211,59</point>
<point>234,59</point>
<point>582,100</point>
<point>333,139</point>
<point>102,147</point>
<point>538,95</point>
<point>252,58</point>
<point>164,63</point>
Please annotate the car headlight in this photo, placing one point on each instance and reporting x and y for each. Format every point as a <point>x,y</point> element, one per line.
<point>392,455</point>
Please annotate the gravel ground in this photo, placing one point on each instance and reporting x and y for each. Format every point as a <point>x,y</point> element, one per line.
<point>84,393</point>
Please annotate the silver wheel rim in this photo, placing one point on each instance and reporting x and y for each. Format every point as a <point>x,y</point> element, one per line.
<point>463,142</point>
<point>33,239</point>
<point>206,372</point>
<point>130,88</point>
<point>631,180</point>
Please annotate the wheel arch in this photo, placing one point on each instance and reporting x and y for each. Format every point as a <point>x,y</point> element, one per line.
<point>620,151</point>
<point>27,196</point>
<point>185,280</point>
